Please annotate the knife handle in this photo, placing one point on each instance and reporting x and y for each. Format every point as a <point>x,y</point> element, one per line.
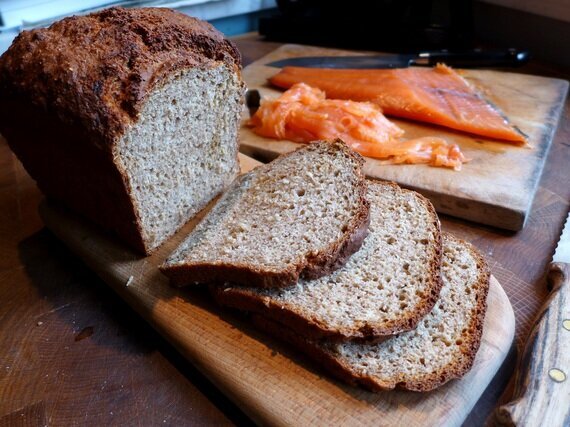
<point>475,58</point>
<point>542,387</point>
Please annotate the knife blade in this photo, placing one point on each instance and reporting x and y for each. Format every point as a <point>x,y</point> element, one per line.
<point>542,387</point>
<point>461,59</point>
<point>562,252</point>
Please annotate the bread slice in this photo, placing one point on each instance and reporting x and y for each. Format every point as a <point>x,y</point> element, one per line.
<point>441,348</point>
<point>301,215</point>
<point>385,288</point>
<point>135,115</point>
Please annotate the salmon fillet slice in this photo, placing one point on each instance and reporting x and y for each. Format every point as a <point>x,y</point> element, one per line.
<point>436,95</point>
<point>303,114</point>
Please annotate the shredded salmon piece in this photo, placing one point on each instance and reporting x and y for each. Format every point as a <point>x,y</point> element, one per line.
<point>303,114</point>
<point>436,95</point>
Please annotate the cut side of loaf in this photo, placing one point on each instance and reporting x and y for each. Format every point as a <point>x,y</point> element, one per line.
<point>301,215</point>
<point>182,150</point>
<point>135,115</point>
<point>385,288</point>
<point>442,347</point>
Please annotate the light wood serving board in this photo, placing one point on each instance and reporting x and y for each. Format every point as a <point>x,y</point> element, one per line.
<point>497,186</point>
<point>272,384</point>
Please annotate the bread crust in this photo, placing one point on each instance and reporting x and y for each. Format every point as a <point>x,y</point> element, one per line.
<point>312,327</point>
<point>314,265</point>
<point>456,369</point>
<point>96,70</point>
<point>81,176</point>
<point>70,91</point>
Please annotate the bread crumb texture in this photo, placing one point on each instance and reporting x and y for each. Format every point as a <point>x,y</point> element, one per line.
<point>182,151</point>
<point>384,288</point>
<point>443,345</point>
<point>282,213</point>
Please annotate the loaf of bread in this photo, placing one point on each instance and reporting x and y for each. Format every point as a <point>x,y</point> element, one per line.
<point>385,288</point>
<point>442,347</point>
<point>127,116</point>
<point>301,215</point>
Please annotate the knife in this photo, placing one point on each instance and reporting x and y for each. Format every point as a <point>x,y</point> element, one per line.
<point>461,59</point>
<point>542,387</point>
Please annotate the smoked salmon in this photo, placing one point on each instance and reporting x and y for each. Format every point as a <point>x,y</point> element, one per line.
<point>303,114</point>
<point>436,95</point>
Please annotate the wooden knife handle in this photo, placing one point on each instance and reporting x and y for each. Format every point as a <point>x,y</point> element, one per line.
<point>542,388</point>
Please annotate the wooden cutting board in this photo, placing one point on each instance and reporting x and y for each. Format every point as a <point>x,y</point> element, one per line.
<point>497,186</point>
<point>272,384</point>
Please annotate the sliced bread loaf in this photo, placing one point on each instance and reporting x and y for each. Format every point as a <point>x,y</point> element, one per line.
<point>385,288</point>
<point>441,348</point>
<point>128,116</point>
<point>301,215</point>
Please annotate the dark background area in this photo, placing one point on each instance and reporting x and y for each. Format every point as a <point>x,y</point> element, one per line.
<point>403,26</point>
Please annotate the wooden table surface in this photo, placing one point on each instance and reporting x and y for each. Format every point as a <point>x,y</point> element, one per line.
<point>73,353</point>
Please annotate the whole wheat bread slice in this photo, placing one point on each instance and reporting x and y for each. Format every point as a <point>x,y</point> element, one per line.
<point>301,215</point>
<point>442,347</point>
<point>384,289</point>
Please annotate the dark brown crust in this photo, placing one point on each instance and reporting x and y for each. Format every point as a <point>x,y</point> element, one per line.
<point>81,176</point>
<point>311,327</point>
<point>68,92</point>
<point>95,71</point>
<point>461,365</point>
<point>314,265</point>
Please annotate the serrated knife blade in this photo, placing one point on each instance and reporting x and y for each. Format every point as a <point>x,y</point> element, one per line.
<point>562,252</point>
